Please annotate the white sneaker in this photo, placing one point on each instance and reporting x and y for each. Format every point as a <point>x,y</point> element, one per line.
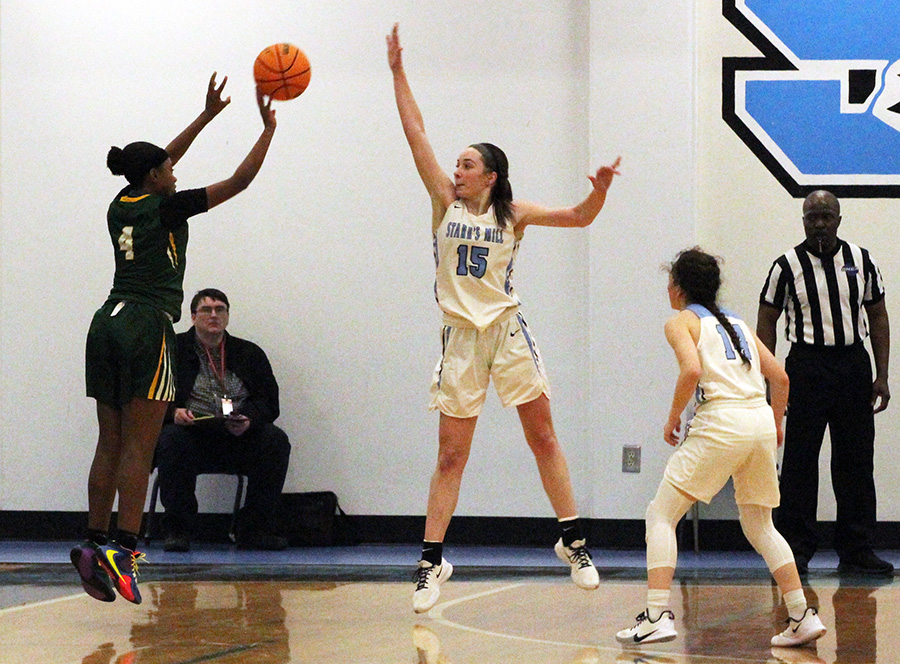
<point>428,584</point>
<point>584,574</point>
<point>799,632</point>
<point>648,631</point>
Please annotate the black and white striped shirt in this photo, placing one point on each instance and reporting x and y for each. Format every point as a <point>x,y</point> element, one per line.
<point>822,297</point>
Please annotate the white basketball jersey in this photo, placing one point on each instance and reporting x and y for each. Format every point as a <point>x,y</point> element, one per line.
<point>474,260</point>
<point>725,376</point>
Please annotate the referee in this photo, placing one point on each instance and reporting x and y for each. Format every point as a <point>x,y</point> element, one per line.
<point>822,286</point>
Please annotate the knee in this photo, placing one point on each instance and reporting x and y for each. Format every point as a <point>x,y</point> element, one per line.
<point>654,517</point>
<point>544,443</point>
<point>667,507</point>
<point>756,522</point>
<point>451,461</point>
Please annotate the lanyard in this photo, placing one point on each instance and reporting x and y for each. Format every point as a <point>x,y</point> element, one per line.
<point>212,364</point>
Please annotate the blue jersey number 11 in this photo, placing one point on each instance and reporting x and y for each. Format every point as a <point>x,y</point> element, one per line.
<point>729,347</point>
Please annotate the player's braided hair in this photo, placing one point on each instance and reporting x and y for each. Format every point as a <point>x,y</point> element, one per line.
<point>495,161</point>
<point>697,274</point>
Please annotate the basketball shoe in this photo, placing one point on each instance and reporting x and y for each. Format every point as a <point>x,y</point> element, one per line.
<point>94,579</point>
<point>428,584</point>
<point>800,632</point>
<point>121,566</point>
<point>649,631</point>
<point>584,574</point>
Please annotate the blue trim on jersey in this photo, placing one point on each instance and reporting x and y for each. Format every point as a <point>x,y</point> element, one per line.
<point>507,284</point>
<point>437,262</point>
<point>703,312</point>
<point>699,309</point>
<point>730,314</point>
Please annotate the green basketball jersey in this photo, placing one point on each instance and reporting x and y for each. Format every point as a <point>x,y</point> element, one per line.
<point>150,254</point>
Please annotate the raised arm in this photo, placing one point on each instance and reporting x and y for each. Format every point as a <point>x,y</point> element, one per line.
<point>576,216</point>
<point>214,106</point>
<point>243,176</point>
<point>437,182</point>
<point>683,341</point>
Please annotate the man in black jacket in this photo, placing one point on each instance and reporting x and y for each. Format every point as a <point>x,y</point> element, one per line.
<point>226,401</point>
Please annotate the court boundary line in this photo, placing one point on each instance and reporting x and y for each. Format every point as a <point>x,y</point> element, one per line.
<point>437,615</point>
<point>43,602</point>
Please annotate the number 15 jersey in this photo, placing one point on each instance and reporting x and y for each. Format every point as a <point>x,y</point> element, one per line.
<point>474,260</point>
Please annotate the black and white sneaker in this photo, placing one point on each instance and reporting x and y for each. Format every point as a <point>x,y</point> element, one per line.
<point>428,584</point>
<point>800,632</point>
<point>584,574</point>
<point>649,631</point>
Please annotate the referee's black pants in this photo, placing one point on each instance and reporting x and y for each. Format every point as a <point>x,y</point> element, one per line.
<point>829,387</point>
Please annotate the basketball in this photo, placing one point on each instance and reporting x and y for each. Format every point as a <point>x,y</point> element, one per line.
<point>281,71</point>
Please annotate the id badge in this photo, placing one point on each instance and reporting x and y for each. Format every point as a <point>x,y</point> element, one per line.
<point>227,406</point>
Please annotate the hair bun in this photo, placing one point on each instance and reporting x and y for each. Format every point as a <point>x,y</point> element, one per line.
<point>115,161</point>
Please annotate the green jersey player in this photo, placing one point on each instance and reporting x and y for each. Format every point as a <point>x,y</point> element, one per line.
<point>130,344</point>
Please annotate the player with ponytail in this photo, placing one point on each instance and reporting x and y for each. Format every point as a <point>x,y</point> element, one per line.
<point>734,433</point>
<point>477,227</point>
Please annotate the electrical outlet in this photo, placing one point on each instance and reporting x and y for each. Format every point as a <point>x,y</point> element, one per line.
<point>631,458</point>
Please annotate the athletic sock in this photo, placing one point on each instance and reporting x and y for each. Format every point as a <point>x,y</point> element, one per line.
<point>128,540</point>
<point>571,530</point>
<point>657,602</point>
<point>432,552</point>
<point>98,537</point>
<point>795,603</point>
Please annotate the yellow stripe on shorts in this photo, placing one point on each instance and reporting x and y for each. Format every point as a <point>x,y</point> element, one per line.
<point>163,386</point>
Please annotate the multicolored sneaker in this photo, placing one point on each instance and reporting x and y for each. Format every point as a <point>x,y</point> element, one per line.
<point>121,566</point>
<point>94,578</point>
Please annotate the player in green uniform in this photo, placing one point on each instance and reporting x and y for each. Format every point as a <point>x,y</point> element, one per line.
<point>130,344</point>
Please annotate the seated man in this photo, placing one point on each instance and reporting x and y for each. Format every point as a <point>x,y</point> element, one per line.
<point>225,402</point>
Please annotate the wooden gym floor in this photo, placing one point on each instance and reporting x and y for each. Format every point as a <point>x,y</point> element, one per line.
<point>353,606</point>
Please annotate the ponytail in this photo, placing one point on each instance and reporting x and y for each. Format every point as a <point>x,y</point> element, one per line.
<point>495,161</point>
<point>732,333</point>
<point>697,274</point>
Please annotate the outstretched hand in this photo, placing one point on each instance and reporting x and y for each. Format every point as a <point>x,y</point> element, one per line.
<point>395,51</point>
<point>265,110</point>
<point>603,179</point>
<point>214,101</point>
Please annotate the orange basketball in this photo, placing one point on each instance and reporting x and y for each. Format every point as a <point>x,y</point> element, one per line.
<point>281,71</point>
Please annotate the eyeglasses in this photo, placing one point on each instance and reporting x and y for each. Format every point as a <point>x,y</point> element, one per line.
<point>220,310</point>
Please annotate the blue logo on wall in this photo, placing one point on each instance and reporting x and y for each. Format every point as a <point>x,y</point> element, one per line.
<point>821,108</point>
